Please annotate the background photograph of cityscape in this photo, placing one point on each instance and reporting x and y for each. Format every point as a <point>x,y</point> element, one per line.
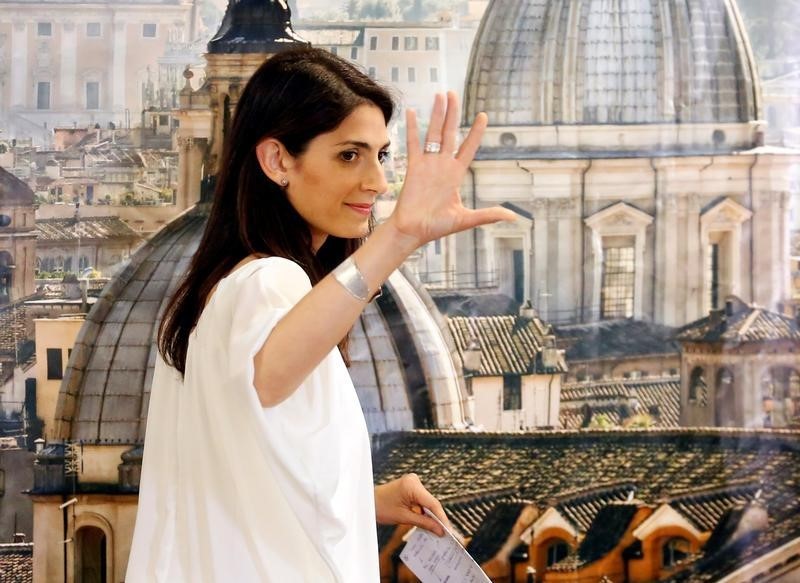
<point>606,390</point>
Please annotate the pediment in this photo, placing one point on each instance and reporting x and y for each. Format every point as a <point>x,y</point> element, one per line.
<point>550,519</point>
<point>725,213</point>
<point>665,516</point>
<point>619,215</point>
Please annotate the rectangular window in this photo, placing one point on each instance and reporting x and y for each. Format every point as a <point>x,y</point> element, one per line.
<point>431,43</point>
<point>43,95</point>
<point>518,263</point>
<point>334,51</point>
<point>354,53</point>
<point>93,29</point>
<point>616,294</point>
<point>512,392</point>
<point>410,43</point>
<point>437,246</point>
<point>149,30</point>
<point>713,276</point>
<point>412,75</point>
<point>55,368</point>
<point>372,72</point>
<point>92,95</point>
<point>373,43</point>
<point>395,43</point>
<point>434,75</point>
<point>395,74</point>
<point>44,28</point>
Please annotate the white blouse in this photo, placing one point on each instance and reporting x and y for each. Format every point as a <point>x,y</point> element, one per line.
<point>231,491</point>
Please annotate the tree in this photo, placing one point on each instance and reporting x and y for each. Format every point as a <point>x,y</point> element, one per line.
<point>352,9</point>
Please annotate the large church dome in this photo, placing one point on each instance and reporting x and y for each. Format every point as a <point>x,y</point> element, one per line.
<point>587,62</point>
<point>403,361</point>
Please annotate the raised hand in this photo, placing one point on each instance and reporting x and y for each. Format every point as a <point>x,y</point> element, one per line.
<point>429,205</point>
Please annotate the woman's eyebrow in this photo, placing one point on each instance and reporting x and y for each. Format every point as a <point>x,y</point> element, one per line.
<point>364,145</point>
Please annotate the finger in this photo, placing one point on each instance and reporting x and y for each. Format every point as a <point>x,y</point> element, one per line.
<point>429,501</point>
<point>473,140</point>
<point>477,217</point>
<point>437,120</point>
<point>420,520</point>
<point>412,133</point>
<point>450,129</point>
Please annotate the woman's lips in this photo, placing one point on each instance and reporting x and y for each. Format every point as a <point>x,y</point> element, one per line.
<point>364,209</point>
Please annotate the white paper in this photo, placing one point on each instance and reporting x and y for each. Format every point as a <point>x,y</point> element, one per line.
<point>435,559</point>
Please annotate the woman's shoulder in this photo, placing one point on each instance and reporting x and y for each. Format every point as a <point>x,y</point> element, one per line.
<point>269,273</point>
<point>268,267</point>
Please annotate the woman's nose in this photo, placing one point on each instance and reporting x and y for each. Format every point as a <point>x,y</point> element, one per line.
<point>375,179</point>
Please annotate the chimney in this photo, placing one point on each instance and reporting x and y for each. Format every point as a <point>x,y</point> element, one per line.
<point>526,310</point>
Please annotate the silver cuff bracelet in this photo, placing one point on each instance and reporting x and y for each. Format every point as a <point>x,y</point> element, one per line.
<point>351,278</point>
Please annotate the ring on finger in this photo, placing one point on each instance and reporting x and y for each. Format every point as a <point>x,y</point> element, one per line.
<point>432,147</point>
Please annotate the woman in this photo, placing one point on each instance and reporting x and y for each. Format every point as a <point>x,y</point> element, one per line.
<point>257,465</point>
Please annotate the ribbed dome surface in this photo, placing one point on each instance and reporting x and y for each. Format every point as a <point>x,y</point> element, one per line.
<point>543,62</point>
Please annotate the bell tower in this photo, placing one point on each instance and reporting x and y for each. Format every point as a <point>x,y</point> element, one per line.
<point>251,32</point>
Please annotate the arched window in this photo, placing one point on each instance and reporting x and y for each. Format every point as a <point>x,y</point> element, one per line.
<point>698,389</point>
<point>780,392</point>
<point>674,551</point>
<point>724,399</point>
<point>91,555</point>
<point>557,551</point>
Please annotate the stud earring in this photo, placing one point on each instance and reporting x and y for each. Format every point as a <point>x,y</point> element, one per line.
<point>284,182</point>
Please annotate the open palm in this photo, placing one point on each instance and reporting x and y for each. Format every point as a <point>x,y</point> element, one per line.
<point>429,206</point>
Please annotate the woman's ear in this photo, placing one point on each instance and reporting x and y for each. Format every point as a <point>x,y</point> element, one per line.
<point>274,160</point>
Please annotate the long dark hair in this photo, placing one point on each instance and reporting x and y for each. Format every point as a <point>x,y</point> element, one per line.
<point>293,97</point>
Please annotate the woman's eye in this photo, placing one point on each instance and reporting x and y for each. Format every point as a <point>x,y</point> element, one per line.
<point>383,156</point>
<point>349,156</point>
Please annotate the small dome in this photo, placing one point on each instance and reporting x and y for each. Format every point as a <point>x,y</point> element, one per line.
<point>13,191</point>
<point>255,26</point>
<point>548,62</point>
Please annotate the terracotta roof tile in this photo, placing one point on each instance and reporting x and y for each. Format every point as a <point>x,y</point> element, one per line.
<point>607,397</point>
<point>16,562</point>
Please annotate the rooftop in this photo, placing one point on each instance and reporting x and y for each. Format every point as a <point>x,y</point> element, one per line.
<point>659,397</point>
<point>97,228</point>
<point>701,471</point>
<point>509,344</point>
<point>740,323</point>
<point>13,191</point>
